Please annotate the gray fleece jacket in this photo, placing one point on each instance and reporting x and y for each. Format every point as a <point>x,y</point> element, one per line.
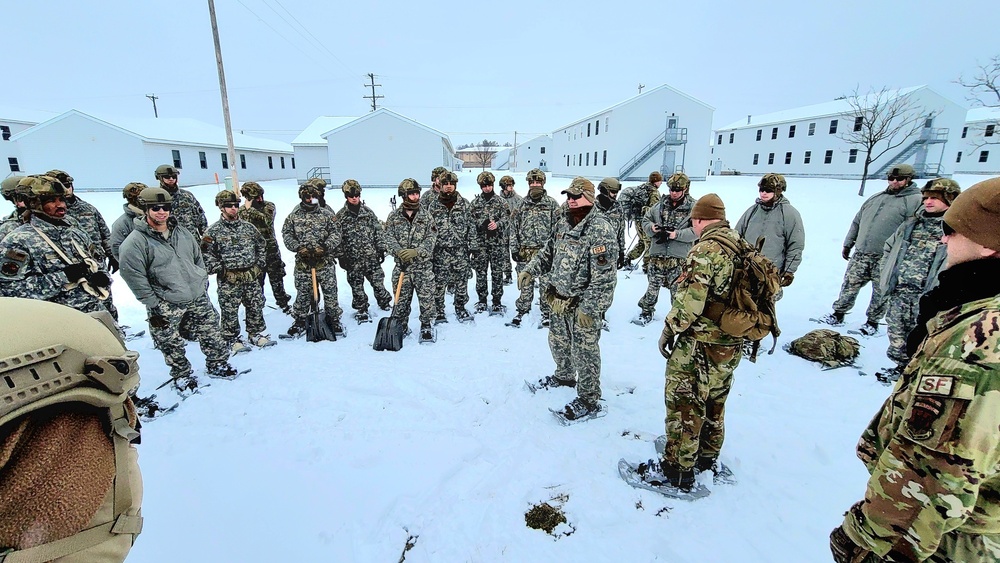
<point>159,269</point>
<point>781,227</point>
<point>879,217</point>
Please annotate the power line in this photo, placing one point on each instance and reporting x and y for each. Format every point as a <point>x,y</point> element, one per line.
<point>278,33</point>
<point>318,42</point>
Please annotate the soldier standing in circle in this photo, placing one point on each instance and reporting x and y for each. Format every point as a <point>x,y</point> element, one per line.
<point>409,236</point>
<point>874,223</point>
<point>236,253</point>
<point>607,202</point>
<point>455,240</point>
<point>162,263</point>
<point>667,225</point>
<point>579,268</point>
<point>17,196</point>
<point>260,213</point>
<point>312,232</point>
<point>432,194</point>
<point>490,215</point>
<point>532,225</point>
<point>638,201</point>
<point>932,448</point>
<point>123,225</point>
<point>700,357</point>
<point>362,251</point>
<point>774,218</point>
<point>186,209</point>
<point>912,258</point>
<point>513,200</point>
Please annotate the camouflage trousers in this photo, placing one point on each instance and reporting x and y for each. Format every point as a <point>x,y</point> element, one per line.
<point>577,354</point>
<point>109,305</point>
<point>197,318</point>
<point>491,259</point>
<point>505,265</point>
<point>357,273</point>
<point>523,302</point>
<point>419,279</point>
<point>326,279</point>
<point>662,271</point>
<point>959,546</point>
<point>699,376</point>
<point>901,318</point>
<point>275,274</point>
<point>451,268</point>
<point>640,247</point>
<point>231,296</point>
<point>861,269</point>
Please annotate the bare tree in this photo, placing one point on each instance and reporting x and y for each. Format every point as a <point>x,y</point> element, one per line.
<point>878,122</point>
<point>483,153</point>
<point>984,91</point>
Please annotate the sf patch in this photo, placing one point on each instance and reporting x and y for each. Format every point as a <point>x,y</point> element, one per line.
<point>13,263</point>
<point>601,254</point>
<point>9,268</point>
<point>936,385</point>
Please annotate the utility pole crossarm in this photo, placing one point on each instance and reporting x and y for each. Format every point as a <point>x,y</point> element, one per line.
<point>153,98</point>
<point>373,97</point>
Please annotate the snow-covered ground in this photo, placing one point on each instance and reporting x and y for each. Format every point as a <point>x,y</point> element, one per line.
<point>334,452</point>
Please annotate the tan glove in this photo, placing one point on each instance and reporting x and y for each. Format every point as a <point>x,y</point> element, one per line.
<point>583,319</point>
<point>560,305</point>
<point>524,280</point>
<point>666,342</point>
<point>406,254</point>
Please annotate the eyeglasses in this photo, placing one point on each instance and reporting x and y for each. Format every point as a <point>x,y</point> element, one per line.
<point>948,230</point>
<point>896,178</point>
<point>413,192</point>
<point>353,194</point>
<point>766,189</point>
<point>229,204</point>
<point>574,196</point>
<point>169,176</point>
<point>676,189</point>
<point>160,207</point>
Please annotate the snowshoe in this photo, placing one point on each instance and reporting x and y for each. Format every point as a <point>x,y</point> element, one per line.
<point>427,335</point>
<point>867,329</point>
<point>336,327</point>
<point>548,382</point>
<point>721,474</point>
<point>262,341</point>
<point>649,476</point>
<point>889,376</point>
<point>463,315</point>
<point>643,319</point>
<point>498,310</point>
<point>185,385</point>
<point>297,330</point>
<point>147,408</point>
<point>516,321</point>
<point>479,308</point>
<point>362,317</point>
<point>239,347</point>
<point>577,411</point>
<point>440,319</point>
<point>128,335</point>
<point>224,371</point>
<point>833,319</point>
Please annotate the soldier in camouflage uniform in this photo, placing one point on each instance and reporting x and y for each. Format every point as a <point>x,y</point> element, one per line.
<point>532,224</point>
<point>668,227</point>
<point>490,216</point>
<point>409,237</point>
<point>48,258</point>
<point>362,251</point>
<point>637,202</point>
<point>911,260</point>
<point>932,449</point>
<point>186,209</point>
<point>432,194</point>
<point>874,223</point>
<point>123,225</point>
<point>700,357</point>
<point>607,203</point>
<point>260,213</point>
<point>512,199</point>
<point>312,232</point>
<point>236,253</point>
<point>162,263</point>
<point>455,241</point>
<point>17,196</point>
<point>579,268</point>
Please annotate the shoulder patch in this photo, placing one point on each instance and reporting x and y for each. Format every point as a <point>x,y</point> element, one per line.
<point>936,385</point>
<point>17,255</point>
<point>10,268</point>
<point>600,249</point>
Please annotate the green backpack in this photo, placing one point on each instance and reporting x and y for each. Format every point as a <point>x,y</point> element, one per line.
<point>825,346</point>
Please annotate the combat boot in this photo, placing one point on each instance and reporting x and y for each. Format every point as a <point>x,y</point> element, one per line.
<point>146,407</point>
<point>707,463</point>
<point>579,408</point>
<point>440,318</point>
<point>516,321</point>
<point>833,319</point>
<point>222,370</point>
<point>546,320</point>
<point>239,347</point>
<point>480,307</point>
<point>869,329</point>
<point>297,328</point>
<point>261,341</point>
<point>551,382</point>
<point>426,332</point>
<point>463,315</point>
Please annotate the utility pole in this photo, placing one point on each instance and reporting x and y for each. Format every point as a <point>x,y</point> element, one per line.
<point>225,98</point>
<point>373,97</point>
<point>154,97</point>
<point>513,160</point>
<point>641,86</point>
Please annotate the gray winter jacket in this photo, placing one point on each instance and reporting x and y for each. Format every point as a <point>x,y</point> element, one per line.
<point>122,227</point>
<point>782,229</point>
<point>895,250</point>
<point>163,269</point>
<point>670,218</point>
<point>879,217</point>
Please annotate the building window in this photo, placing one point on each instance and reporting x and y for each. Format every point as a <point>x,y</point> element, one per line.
<point>595,158</point>
<point>791,131</point>
<point>774,133</point>
<point>541,150</point>
<point>858,122</point>
<point>983,156</point>
<point>567,160</point>
<point>293,162</point>
<point>588,159</point>
<point>588,129</point>
<point>604,159</point>
<point>770,158</point>
<point>959,157</point>
<point>580,160</point>
<point>282,163</point>
<point>833,126</point>
<point>597,127</point>
<point>756,158</point>
<point>243,161</point>
<point>929,122</point>
<point>720,140</point>
<point>852,156</point>
<point>203,160</point>
<point>989,130</point>
<point>788,158</point>
<point>225,161</point>
<point>965,131</point>
<point>731,136</point>
<point>5,131</point>
<point>758,133</point>
<point>177,158</point>
<point>808,156</point>
<point>12,163</point>
<point>828,158</point>
<point>812,129</point>
<point>270,163</point>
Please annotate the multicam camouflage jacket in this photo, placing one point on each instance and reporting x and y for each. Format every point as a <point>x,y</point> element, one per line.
<point>933,450</point>
<point>260,214</point>
<point>416,232</point>
<point>483,211</point>
<point>669,217</point>
<point>914,255</point>
<point>233,246</point>
<point>707,277</point>
<point>533,223</point>
<point>579,263</point>
<point>454,227</point>
<point>363,241</point>
<point>188,212</point>
<point>90,221</point>
<point>312,228</point>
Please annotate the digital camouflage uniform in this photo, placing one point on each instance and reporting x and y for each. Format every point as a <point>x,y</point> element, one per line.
<point>314,227</point>
<point>532,225</point>
<point>187,211</point>
<point>261,214</point>
<point>89,220</point>
<point>700,369</point>
<point>512,199</point>
<point>236,253</point>
<point>493,253</point>
<point>455,233</point>
<point>577,264</point>
<point>11,222</point>
<point>615,214</point>
<point>637,202</point>
<point>417,232</point>
<point>666,257</point>
<point>362,252</point>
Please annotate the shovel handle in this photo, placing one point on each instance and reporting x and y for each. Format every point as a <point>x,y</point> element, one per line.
<point>315,287</point>
<point>399,286</point>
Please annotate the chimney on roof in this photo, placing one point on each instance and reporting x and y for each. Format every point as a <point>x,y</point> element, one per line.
<point>748,120</point>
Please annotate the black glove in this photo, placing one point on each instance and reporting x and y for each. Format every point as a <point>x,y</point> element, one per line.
<point>621,259</point>
<point>844,549</point>
<point>345,262</point>
<point>99,279</point>
<point>786,279</point>
<point>847,253</point>
<point>156,319</point>
<point>381,256</point>
<point>473,254</point>
<point>76,271</point>
<point>661,237</point>
<point>515,256</point>
<point>113,264</point>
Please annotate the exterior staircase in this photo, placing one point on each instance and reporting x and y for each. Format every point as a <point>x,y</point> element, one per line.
<point>928,136</point>
<point>676,136</point>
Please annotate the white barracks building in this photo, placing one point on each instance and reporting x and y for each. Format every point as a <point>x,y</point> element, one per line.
<point>979,152</point>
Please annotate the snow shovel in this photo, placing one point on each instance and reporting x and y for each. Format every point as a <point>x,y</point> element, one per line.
<point>317,328</point>
<point>389,335</point>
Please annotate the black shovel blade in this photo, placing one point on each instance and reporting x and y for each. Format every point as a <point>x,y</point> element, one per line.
<point>389,335</point>
<point>317,329</point>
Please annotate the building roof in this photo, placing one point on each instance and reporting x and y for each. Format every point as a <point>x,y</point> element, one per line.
<point>983,114</point>
<point>26,116</point>
<point>173,131</point>
<point>384,111</point>
<point>313,134</point>
<point>835,107</point>
<point>632,99</point>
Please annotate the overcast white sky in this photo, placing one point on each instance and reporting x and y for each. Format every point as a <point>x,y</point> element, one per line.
<point>479,69</point>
